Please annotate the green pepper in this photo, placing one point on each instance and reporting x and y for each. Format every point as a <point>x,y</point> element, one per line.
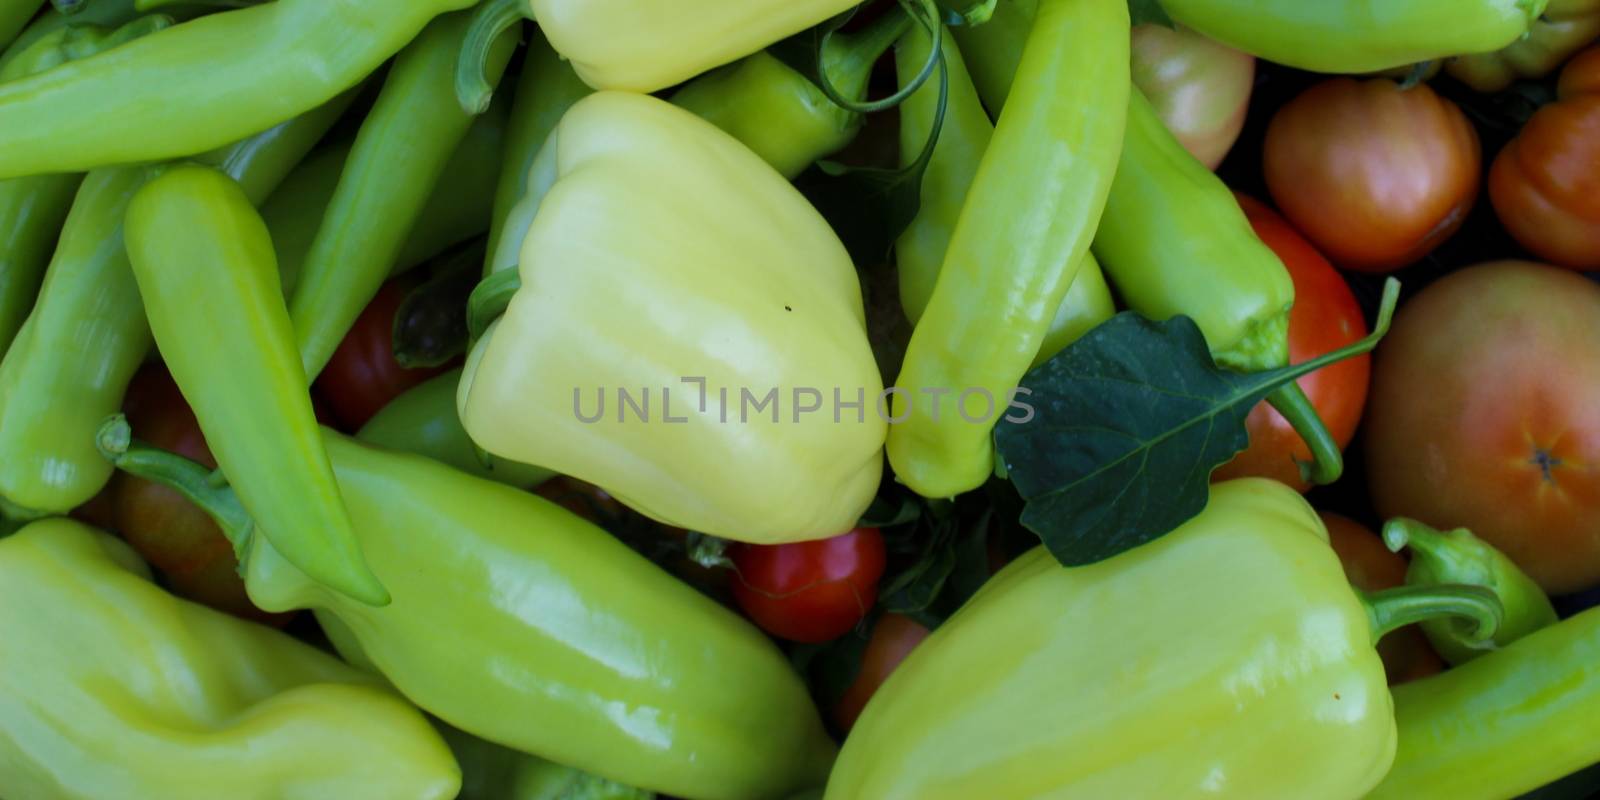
<point>397,159</point>
<point>993,51</point>
<point>89,306</point>
<point>14,16</point>
<point>1459,557</point>
<point>1346,37</point>
<point>521,623</point>
<point>1238,662</point>
<point>492,772</point>
<point>1503,724</point>
<point>102,13</point>
<point>204,264</point>
<point>1566,27</point>
<point>424,421</point>
<point>1017,247</point>
<point>964,136</point>
<point>112,688</point>
<point>33,209</point>
<point>164,96</point>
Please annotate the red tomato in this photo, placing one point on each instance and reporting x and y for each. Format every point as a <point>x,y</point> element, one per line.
<point>1485,414</point>
<point>1370,567</point>
<point>1376,176</point>
<point>1325,318</point>
<point>178,539</point>
<point>1545,184</point>
<point>362,377</point>
<point>809,592</point>
<point>893,638</point>
<point>1201,88</point>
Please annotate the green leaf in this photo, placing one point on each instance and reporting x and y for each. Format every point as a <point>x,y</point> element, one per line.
<point>890,510</point>
<point>1149,12</point>
<point>1128,424</point>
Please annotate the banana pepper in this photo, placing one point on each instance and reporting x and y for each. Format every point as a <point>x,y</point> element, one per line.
<point>1566,27</point>
<point>111,687</point>
<point>1240,663</point>
<point>518,622</point>
<point>717,374</point>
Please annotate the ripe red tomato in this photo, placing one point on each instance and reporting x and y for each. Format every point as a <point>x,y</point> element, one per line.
<point>1545,184</point>
<point>893,638</point>
<point>809,592</point>
<point>1376,176</point>
<point>1201,88</point>
<point>1371,567</point>
<point>1325,318</point>
<point>1485,414</point>
<point>362,377</point>
<point>178,539</point>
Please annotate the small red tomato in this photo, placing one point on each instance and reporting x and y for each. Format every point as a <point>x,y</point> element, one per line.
<point>1371,567</point>
<point>1375,175</point>
<point>893,638</point>
<point>363,376</point>
<point>809,592</point>
<point>1325,318</point>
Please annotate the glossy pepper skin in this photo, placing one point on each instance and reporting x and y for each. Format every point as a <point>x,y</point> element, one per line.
<point>398,157</point>
<point>204,264</point>
<point>1566,27</point>
<point>521,623</point>
<point>101,13</point>
<point>1017,246</point>
<point>110,687</point>
<point>719,272</point>
<point>50,407</point>
<point>964,136</point>
<point>168,99</point>
<point>1357,37</point>
<point>1503,724</point>
<point>1240,662</point>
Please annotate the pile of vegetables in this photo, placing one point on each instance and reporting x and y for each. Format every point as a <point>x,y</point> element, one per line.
<point>730,399</point>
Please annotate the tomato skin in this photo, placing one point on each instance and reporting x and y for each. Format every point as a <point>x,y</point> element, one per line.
<point>1371,567</point>
<point>893,638</point>
<point>1485,414</point>
<point>809,592</point>
<point>1374,175</point>
<point>1201,88</point>
<point>1545,183</point>
<point>362,376</point>
<point>1325,318</point>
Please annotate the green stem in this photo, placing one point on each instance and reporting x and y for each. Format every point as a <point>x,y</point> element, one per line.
<point>925,13</point>
<point>196,482</point>
<point>1404,605</point>
<point>474,90</point>
<point>490,299</point>
<point>853,56</point>
<point>1327,462</point>
<point>1400,533</point>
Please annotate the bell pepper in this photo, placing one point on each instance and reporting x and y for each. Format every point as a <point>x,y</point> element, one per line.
<point>33,209</point>
<point>521,623</point>
<point>1459,557</point>
<point>1239,663</point>
<point>641,45</point>
<point>1566,27</point>
<point>1504,724</point>
<point>14,15</point>
<point>397,159</point>
<point>111,687</point>
<point>1357,37</point>
<point>204,264</point>
<point>964,136</point>
<point>716,289</point>
<point>164,96</point>
<point>1017,247</point>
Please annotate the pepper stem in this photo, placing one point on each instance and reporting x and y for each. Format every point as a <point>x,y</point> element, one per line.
<point>66,7</point>
<point>198,483</point>
<point>1400,533</point>
<point>490,299</point>
<point>1403,605</point>
<point>1327,462</point>
<point>852,56</point>
<point>474,90</point>
<point>925,13</point>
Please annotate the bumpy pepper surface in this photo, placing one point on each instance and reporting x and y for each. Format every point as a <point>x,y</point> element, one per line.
<point>203,261</point>
<point>1566,27</point>
<point>111,687</point>
<point>519,622</point>
<point>1017,247</point>
<point>718,291</point>
<point>1239,661</point>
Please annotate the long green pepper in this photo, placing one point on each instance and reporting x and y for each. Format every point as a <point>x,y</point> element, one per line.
<point>14,16</point>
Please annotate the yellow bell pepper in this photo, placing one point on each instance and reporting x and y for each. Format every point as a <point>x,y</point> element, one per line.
<point>688,334</point>
<point>112,688</point>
